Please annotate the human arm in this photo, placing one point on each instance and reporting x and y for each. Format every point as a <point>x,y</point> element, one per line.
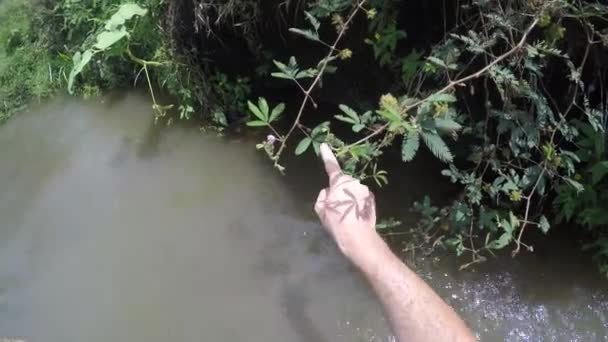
<point>347,210</point>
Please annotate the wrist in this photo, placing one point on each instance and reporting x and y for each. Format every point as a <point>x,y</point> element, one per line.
<point>370,255</point>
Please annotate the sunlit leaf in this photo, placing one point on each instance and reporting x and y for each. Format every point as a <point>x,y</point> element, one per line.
<point>125,12</point>
<point>108,38</point>
<point>80,61</point>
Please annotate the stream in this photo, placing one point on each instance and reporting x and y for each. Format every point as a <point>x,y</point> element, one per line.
<point>116,229</point>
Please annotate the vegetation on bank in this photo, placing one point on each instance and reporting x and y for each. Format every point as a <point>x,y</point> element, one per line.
<point>509,94</point>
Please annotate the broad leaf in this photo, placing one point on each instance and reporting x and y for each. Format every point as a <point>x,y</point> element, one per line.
<point>108,38</point>
<point>125,12</point>
<point>598,171</point>
<point>80,61</point>
<point>576,185</point>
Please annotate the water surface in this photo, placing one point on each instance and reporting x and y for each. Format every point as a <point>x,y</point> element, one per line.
<point>116,229</point>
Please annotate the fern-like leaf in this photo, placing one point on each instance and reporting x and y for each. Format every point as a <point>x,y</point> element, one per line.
<point>437,146</point>
<point>410,146</point>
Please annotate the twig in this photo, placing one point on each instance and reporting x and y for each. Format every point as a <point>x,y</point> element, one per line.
<point>312,86</point>
<point>452,84</point>
<point>527,213</point>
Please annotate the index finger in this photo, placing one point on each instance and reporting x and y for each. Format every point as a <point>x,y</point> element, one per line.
<point>332,168</point>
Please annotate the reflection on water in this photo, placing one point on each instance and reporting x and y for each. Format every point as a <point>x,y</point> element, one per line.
<point>115,229</point>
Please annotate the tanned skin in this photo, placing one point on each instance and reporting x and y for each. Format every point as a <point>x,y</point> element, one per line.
<point>347,210</point>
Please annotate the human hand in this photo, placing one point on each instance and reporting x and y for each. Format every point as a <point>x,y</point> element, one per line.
<point>347,209</point>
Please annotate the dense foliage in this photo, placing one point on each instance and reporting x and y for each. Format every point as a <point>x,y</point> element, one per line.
<point>508,94</point>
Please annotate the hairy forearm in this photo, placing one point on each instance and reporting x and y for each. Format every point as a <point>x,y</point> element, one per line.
<point>416,313</point>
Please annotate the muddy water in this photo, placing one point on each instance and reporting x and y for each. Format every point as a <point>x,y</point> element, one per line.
<point>114,229</point>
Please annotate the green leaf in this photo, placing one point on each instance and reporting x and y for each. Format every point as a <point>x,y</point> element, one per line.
<point>308,73</point>
<point>317,147</point>
<point>263,106</point>
<point>436,61</point>
<point>543,224</point>
<point>410,146</point>
<point>125,12</point>
<point>437,146</point>
<point>281,75</point>
<point>350,113</point>
<point>256,123</point>
<point>80,61</point>
<point>276,112</point>
<point>447,125</point>
<point>390,115</point>
<point>315,23</point>
<point>308,34</point>
<point>358,127</point>
<point>599,171</point>
<point>108,38</point>
<point>441,98</point>
<point>345,119</point>
<point>303,146</point>
<point>256,111</point>
<point>502,241</point>
<point>576,185</point>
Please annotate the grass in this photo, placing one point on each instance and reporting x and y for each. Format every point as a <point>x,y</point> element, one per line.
<point>28,70</point>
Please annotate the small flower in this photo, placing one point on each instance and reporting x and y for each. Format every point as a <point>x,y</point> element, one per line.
<point>377,36</point>
<point>271,139</point>
<point>388,101</point>
<point>578,177</point>
<point>371,14</point>
<point>515,196</point>
<point>337,21</point>
<point>345,54</point>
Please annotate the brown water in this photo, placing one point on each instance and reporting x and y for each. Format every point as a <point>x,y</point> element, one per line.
<point>113,229</point>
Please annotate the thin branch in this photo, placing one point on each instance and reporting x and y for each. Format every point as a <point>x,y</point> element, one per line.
<point>315,81</point>
<point>527,213</point>
<point>452,84</point>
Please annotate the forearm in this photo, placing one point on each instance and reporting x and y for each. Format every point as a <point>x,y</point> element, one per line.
<point>416,313</point>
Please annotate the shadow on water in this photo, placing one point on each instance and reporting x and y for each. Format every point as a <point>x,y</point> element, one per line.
<point>115,228</point>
